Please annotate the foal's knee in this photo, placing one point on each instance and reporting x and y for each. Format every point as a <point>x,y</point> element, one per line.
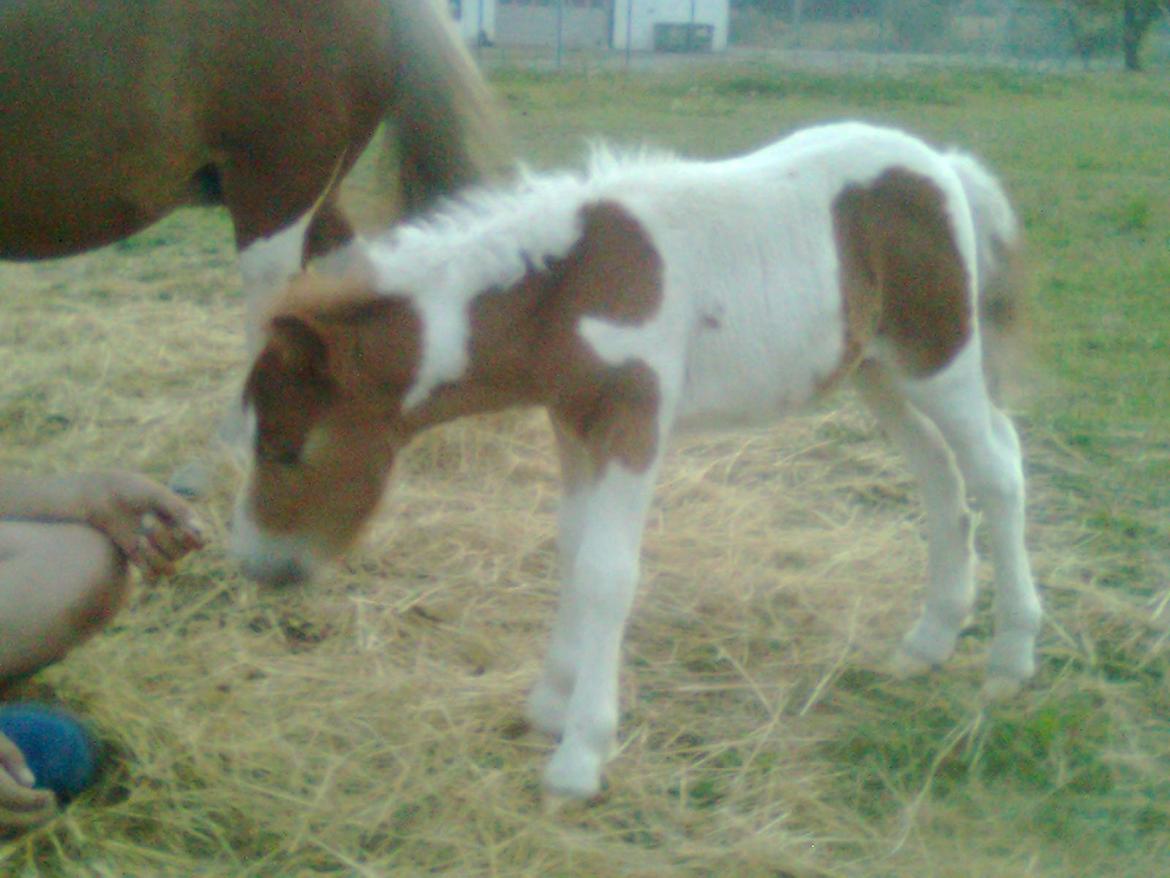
<point>998,484</point>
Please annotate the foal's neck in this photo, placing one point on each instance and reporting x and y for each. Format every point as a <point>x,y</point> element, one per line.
<point>497,339</point>
<point>521,344</point>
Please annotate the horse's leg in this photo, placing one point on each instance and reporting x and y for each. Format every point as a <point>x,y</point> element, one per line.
<point>267,264</point>
<point>549,700</point>
<point>950,591</point>
<point>606,526</point>
<point>987,450</point>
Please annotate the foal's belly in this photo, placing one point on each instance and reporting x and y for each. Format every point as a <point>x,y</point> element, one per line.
<point>749,394</point>
<point>758,371</point>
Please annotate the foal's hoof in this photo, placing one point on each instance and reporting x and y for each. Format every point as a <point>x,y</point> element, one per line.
<point>997,689</point>
<point>193,480</point>
<point>572,774</point>
<point>903,665</point>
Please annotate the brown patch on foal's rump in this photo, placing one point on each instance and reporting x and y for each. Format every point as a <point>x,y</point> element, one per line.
<point>902,277</point>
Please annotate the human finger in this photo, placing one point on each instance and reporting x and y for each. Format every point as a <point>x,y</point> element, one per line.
<point>168,540</point>
<point>174,512</point>
<point>150,560</point>
<point>13,763</point>
<point>21,806</point>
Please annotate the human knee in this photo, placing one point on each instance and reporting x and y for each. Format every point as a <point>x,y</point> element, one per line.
<point>101,571</point>
<point>59,584</point>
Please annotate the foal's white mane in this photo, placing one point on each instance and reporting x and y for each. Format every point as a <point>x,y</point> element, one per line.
<point>490,237</point>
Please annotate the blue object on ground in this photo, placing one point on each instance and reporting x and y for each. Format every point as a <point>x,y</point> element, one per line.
<point>60,751</point>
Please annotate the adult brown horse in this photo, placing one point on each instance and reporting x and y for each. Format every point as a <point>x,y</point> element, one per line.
<point>115,112</point>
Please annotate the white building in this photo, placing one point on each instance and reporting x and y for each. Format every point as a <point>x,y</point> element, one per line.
<point>671,25</point>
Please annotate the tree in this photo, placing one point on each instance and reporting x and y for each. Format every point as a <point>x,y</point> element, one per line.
<point>1137,17</point>
<point>1129,19</point>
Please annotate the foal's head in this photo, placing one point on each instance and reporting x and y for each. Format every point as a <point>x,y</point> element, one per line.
<point>324,398</point>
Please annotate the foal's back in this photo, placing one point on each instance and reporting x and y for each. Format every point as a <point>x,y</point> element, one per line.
<point>779,278</point>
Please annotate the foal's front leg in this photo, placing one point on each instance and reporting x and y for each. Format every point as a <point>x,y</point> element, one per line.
<point>599,580</point>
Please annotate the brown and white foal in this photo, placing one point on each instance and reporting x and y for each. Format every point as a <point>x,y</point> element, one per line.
<point>650,294</point>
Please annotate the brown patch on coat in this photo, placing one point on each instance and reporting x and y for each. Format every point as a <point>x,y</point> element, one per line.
<point>902,277</point>
<point>328,387</point>
<point>526,349</point>
<point>614,273</point>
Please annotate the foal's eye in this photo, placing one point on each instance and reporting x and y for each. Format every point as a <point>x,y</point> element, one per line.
<point>281,455</point>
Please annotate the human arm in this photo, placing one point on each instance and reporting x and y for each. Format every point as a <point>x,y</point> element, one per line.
<point>149,524</point>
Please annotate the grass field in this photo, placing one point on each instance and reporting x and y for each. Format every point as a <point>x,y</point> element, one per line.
<point>369,725</point>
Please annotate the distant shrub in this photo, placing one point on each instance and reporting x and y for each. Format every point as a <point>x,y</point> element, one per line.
<point>920,25</point>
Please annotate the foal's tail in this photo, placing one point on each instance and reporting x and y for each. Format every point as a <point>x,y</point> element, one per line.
<point>999,265</point>
<point>443,130</point>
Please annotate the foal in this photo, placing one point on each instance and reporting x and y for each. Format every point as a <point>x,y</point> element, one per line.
<point>649,294</point>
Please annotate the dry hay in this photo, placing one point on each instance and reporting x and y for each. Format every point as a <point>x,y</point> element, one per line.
<point>369,725</point>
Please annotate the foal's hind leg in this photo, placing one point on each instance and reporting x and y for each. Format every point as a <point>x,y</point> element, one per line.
<point>950,590</point>
<point>950,556</point>
<point>987,450</point>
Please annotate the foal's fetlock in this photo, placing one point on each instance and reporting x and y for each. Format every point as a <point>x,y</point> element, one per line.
<point>548,704</point>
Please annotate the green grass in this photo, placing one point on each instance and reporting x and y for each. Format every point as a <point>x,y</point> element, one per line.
<point>1085,158</point>
<point>1083,770</point>
<point>759,737</point>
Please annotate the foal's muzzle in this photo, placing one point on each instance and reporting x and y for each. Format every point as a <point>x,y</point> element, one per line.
<point>270,559</point>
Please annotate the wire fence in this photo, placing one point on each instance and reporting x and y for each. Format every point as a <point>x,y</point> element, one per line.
<point>1054,34</point>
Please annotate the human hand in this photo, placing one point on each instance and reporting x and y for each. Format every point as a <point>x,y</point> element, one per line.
<point>152,526</point>
<point>21,807</point>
